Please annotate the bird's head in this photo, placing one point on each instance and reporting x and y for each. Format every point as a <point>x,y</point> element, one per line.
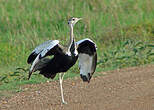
<point>72,21</point>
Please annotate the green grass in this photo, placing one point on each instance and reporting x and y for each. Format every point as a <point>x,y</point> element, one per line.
<point>122,29</point>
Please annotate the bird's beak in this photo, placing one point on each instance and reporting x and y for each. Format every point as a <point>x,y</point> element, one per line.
<point>79,19</point>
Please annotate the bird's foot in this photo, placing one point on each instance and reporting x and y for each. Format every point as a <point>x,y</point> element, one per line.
<point>63,102</point>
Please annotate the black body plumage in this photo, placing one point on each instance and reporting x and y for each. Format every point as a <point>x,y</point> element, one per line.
<point>59,63</point>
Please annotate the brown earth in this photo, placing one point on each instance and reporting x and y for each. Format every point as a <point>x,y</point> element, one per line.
<point>125,89</point>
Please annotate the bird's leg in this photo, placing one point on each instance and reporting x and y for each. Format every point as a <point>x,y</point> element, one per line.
<point>61,76</point>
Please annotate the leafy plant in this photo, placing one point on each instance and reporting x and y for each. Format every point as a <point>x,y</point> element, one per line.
<point>128,53</point>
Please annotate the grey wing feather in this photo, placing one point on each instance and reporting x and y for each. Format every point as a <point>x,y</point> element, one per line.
<point>42,49</point>
<point>87,58</point>
<point>46,45</point>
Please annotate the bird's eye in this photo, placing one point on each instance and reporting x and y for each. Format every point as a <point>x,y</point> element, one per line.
<point>73,19</point>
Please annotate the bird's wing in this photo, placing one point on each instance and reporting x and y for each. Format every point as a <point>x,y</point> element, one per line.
<point>87,58</point>
<point>46,48</point>
<point>37,59</point>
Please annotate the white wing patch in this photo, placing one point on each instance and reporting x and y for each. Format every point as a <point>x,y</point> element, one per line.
<point>85,64</point>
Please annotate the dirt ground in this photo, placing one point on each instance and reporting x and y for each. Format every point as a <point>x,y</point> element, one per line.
<point>125,89</point>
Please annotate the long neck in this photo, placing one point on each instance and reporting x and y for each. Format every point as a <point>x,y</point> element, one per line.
<point>71,38</point>
<point>71,34</point>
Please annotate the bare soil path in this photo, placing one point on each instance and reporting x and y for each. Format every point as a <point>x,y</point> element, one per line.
<point>125,89</point>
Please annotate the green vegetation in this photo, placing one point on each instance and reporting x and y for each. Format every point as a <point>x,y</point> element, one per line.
<point>122,29</point>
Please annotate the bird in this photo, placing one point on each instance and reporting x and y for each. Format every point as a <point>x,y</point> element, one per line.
<point>64,57</point>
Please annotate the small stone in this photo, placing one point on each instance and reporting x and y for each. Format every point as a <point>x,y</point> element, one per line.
<point>73,84</point>
<point>26,88</point>
<point>37,92</point>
